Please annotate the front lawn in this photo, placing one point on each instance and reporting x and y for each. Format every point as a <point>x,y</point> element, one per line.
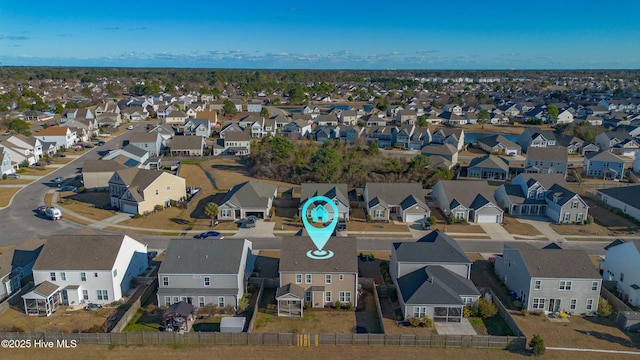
<point>515,227</point>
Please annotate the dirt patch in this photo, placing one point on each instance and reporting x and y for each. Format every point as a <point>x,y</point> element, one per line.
<point>515,227</point>
<point>459,228</point>
<point>6,195</point>
<point>367,320</point>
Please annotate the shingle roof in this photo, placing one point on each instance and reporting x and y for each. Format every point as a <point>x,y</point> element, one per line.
<point>143,137</point>
<point>434,285</point>
<point>45,288</point>
<point>203,256</point>
<point>467,192</point>
<point>293,289</point>
<point>187,142</point>
<point>629,195</point>
<point>180,308</point>
<point>293,256</point>
<point>490,161</point>
<point>79,252</point>
<point>556,263</point>
<point>604,155</point>
<point>250,195</point>
<point>498,139</point>
<point>53,131</point>
<point>562,193</point>
<point>338,191</point>
<point>546,180</point>
<point>433,248</point>
<point>394,193</point>
<point>237,136</point>
<point>140,178</point>
<point>437,149</point>
<point>101,166</point>
<point>555,154</point>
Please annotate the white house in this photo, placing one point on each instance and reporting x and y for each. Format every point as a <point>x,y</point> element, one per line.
<point>63,137</point>
<point>621,265</point>
<point>78,269</point>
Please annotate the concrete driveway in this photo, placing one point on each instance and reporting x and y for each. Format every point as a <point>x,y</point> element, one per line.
<point>542,224</point>
<point>496,231</point>
<point>263,229</point>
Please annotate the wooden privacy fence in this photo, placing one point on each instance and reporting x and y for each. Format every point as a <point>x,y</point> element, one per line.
<point>273,339</point>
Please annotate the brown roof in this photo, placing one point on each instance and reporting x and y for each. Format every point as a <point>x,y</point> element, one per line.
<point>293,257</point>
<point>143,137</point>
<point>466,191</point>
<point>46,288</point>
<point>79,252</point>
<point>187,142</point>
<point>102,166</point>
<point>556,263</point>
<point>53,131</point>
<point>138,178</point>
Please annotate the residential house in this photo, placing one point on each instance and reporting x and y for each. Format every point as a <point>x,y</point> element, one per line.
<point>205,272</point>
<point>467,200</point>
<point>382,135</point>
<point>187,146</point>
<point>419,138</point>
<point>547,160</point>
<point>401,201</point>
<point>150,142</point>
<point>112,120</point>
<point>349,117</point>
<point>35,115</point>
<point>325,133</point>
<point>234,143</point>
<point>542,195</point>
<point>609,139</point>
<point>316,282</point>
<point>25,148</point>
<point>76,113</point>
<point>621,266</point>
<point>139,191</point>
<point>351,134</point>
<point>336,192</point>
<point>176,118</point>
<point>90,126</point>
<point>588,149</point>
<point>230,127</point>
<point>605,165</point>
<point>79,269</point>
<point>452,119</point>
<point>254,106</point>
<point>63,137</point>
<point>565,117</point>
<point>446,151</point>
<point>453,108</point>
<point>7,166</point>
<point>432,276</point>
<point>248,199</point>
<point>135,113</point>
<point>454,137</point>
<point>550,279</point>
<point>296,129</point>
<point>16,263</point>
<point>97,173</point>
<point>166,132</point>
<point>401,135</point>
<point>627,147</point>
<point>571,143</point>
<point>132,156</point>
<point>498,144</point>
<point>532,137</point>
<point>409,117</point>
<point>489,167</point>
<point>197,127</point>
<point>327,120</point>
<point>626,199</point>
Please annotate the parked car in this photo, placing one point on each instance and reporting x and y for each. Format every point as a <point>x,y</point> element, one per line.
<point>252,218</point>
<point>13,176</point>
<point>41,210</point>
<point>342,225</point>
<point>100,143</point>
<point>250,223</point>
<point>426,225</point>
<point>69,188</point>
<point>58,179</point>
<point>207,234</point>
<point>53,213</point>
<point>88,146</point>
<point>130,127</point>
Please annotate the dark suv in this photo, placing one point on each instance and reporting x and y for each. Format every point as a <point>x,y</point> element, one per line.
<point>342,225</point>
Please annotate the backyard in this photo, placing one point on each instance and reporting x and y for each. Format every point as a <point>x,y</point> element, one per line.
<point>64,319</point>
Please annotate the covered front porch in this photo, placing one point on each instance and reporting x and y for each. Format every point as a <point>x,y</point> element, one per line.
<point>44,298</point>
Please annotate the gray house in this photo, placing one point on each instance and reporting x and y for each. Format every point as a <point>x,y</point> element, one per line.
<point>200,127</point>
<point>532,137</point>
<point>467,200</point>
<point>446,151</point>
<point>550,279</point>
<point>489,167</point>
<point>205,272</point>
<point>542,195</point>
<point>247,199</point>
<point>498,144</point>
<point>605,165</point>
<point>547,160</point>
<point>336,192</point>
<point>151,142</point>
<point>404,201</point>
<point>432,276</point>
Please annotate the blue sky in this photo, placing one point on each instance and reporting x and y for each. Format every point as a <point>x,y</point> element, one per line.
<point>322,35</point>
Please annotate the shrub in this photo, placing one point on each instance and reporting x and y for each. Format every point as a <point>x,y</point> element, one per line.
<point>604,308</point>
<point>537,312</point>
<point>469,311</point>
<point>5,176</point>
<point>337,304</point>
<point>589,219</point>
<point>432,220</point>
<point>524,312</point>
<point>414,321</point>
<point>368,218</point>
<point>486,308</point>
<point>157,207</point>
<point>94,329</point>
<point>296,217</point>
<point>82,189</point>
<point>151,308</point>
<point>427,322</point>
<point>243,303</point>
<point>537,345</point>
<point>349,305</point>
<point>371,256</point>
<point>307,305</point>
<point>137,216</point>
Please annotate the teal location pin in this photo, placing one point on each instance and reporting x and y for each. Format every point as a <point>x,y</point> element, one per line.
<point>319,236</point>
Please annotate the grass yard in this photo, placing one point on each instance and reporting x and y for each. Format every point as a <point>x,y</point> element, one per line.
<point>515,227</point>
<point>88,204</point>
<point>228,172</point>
<point>494,325</point>
<point>579,332</point>
<point>15,181</point>
<point>615,223</point>
<point>145,320</point>
<point>314,321</point>
<point>36,171</point>
<point>574,229</point>
<point>358,222</point>
<point>170,219</point>
<point>194,175</point>
<point>6,194</point>
<point>459,228</point>
<point>62,320</point>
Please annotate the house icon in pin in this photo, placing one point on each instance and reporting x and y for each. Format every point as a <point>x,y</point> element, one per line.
<point>319,214</point>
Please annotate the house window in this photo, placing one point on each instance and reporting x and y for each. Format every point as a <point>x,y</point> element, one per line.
<point>83,276</point>
<point>467,300</point>
<point>537,285</point>
<point>574,205</point>
<point>565,285</point>
<point>621,277</point>
<point>225,212</point>
<point>307,278</point>
<point>207,281</point>
<point>327,296</point>
<point>419,311</point>
<point>341,277</point>
<point>85,294</point>
<point>345,296</point>
<point>165,281</point>
<point>538,303</point>
<point>579,217</point>
<point>102,295</point>
<point>167,300</point>
<point>567,216</point>
<point>176,299</point>
<point>157,192</point>
<point>168,188</point>
<point>459,214</point>
<point>201,301</point>
<point>327,278</point>
<point>63,276</point>
<point>378,213</point>
<point>589,304</point>
<point>221,301</point>
<point>574,303</point>
<point>594,286</point>
<point>115,272</point>
<point>298,278</point>
<point>52,276</point>
<point>307,296</point>
<point>95,274</point>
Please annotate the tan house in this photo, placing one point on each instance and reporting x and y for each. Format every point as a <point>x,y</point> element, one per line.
<point>137,191</point>
<point>176,118</point>
<point>187,146</point>
<point>318,282</point>
<point>97,173</point>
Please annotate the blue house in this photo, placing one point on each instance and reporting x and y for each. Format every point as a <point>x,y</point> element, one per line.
<point>605,165</point>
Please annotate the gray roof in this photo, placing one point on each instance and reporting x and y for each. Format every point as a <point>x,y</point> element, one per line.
<point>563,194</point>
<point>394,193</point>
<point>102,166</point>
<point>293,256</point>
<point>438,149</point>
<point>433,248</point>
<point>186,142</point>
<point>555,154</point>
<point>556,263</point>
<point>202,291</point>
<point>490,162</point>
<point>237,136</point>
<point>331,191</point>
<point>250,195</point>
<point>604,155</point>
<point>180,308</point>
<point>45,288</point>
<point>629,195</point>
<point>435,285</point>
<point>293,289</point>
<point>143,137</point>
<point>79,252</point>
<point>203,256</point>
<point>546,180</point>
<point>494,140</point>
<point>467,192</point>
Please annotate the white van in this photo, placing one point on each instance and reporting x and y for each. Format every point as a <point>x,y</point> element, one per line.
<point>53,213</point>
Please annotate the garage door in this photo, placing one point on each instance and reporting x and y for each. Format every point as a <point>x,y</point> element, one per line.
<point>129,209</point>
<point>488,218</point>
<point>258,214</point>
<point>413,217</point>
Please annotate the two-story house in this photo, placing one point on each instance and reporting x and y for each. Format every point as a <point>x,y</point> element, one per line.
<point>176,118</point>
<point>382,135</point>
<point>16,263</point>
<point>197,127</point>
<point>205,272</point>
<point>316,282</point>
<point>151,142</point>
<point>550,279</point>
<point>532,137</point>
<point>349,117</point>
<point>138,191</point>
<point>488,167</point>
<point>621,266</point>
<point>454,137</point>
<point>63,137</point>
<point>6,165</point>
<point>432,276</point>
<point>498,144</point>
<point>409,117</point>
<point>187,146</point>
<point>550,160</point>
<point>78,269</point>
<point>542,195</point>
<point>467,200</point>
<point>605,165</point>
<point>234,143</point>
<point>24,149</point>
<point>336,192</point>
<point>402,135</point>
<point>296,129</point>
